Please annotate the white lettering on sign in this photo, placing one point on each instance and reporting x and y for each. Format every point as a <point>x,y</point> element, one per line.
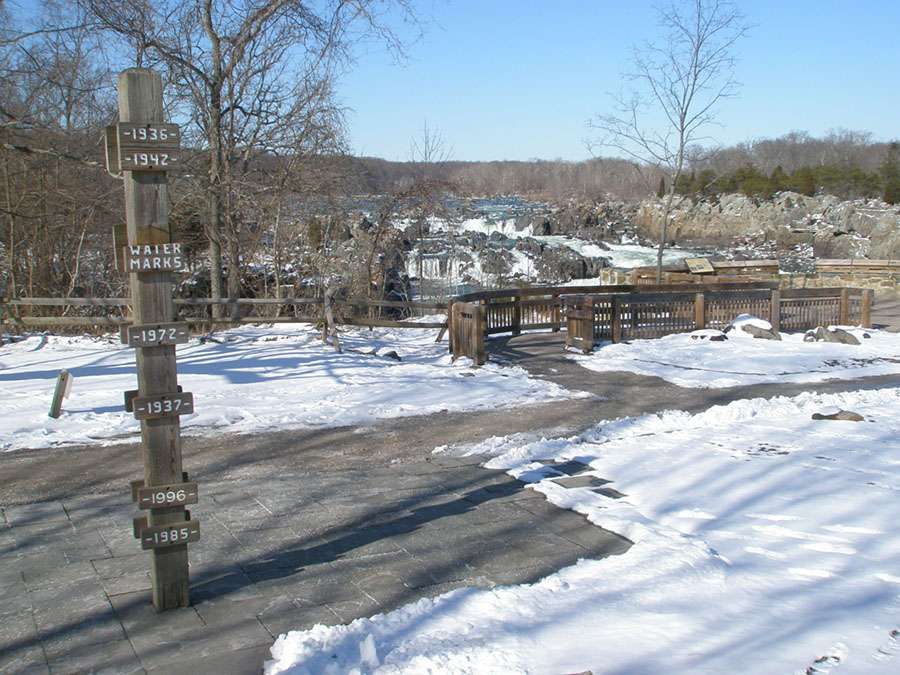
<point>165,405</point>
<point>155,258</point>
<point>155,249</point>
<point>178,494</point>
<point>148,160</point>
<point>157,536</point>
<point>159,334</point>
<point>147,133</point>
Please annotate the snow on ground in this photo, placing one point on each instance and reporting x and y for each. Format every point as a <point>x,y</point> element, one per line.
<point>689,361</point>
<point>764,542</point>
<point>249,379</point>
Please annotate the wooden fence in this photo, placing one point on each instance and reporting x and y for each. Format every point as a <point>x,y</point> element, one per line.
<point>95,312</point>
<point>627,316</point>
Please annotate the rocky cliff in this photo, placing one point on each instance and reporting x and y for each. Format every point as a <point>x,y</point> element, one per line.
<point>822,227</point>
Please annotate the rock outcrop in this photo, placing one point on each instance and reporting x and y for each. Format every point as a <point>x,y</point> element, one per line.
<point>824,226</point>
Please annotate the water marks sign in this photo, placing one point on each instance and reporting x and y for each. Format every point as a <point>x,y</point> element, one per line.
<point>155,258</point>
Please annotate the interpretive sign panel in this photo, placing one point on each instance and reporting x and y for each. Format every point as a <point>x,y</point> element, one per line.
<point>157,536</point>
<point>163,405</point>
<point>699,265</point>
<point>155,258</point>
<point>178,494</point>
<point>158,334</point>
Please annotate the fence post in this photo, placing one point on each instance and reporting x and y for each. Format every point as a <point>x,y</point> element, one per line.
<point>517,314</point>
<point>480,356</point>
<point>845,306</point>
<point>775,311</point>
<point>456,340</point>
<point>865,319</point>
<point>616,313</point>
<point>556,312</point>
<point>699,311</point>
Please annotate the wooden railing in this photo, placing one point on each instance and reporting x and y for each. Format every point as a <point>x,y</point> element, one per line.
<point>626,316</point>
<point>95,312</point>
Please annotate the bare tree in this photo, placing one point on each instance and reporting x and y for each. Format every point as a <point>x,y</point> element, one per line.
<point>254,77</point>
<point>682,77</point>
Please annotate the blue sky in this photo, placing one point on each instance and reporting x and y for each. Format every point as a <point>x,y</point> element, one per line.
<point>518,79</point>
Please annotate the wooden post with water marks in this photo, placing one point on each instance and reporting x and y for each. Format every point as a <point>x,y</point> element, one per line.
<point>158,402</point>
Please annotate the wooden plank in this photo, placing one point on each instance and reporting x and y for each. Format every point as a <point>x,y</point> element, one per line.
<point>63,388</point>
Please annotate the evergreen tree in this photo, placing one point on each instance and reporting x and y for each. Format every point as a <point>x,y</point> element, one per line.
<point>890,174</point>
<point>661,192</point>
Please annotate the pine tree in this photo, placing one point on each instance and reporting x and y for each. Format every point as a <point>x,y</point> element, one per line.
<point>890,174</point>
<point>661,192</point>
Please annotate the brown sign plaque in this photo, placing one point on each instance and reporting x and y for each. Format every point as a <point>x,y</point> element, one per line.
<point>157,496</point>
<point>153,335</point>
<point>163,405</point>
<point>172,534</point>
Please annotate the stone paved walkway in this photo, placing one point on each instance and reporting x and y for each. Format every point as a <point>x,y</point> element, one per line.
<point>276,554</point>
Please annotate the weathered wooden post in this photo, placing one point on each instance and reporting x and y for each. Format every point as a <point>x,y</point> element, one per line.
<point>865,318</point>
<point>146,148</point>
<point>775,313</point>
<point>845,306</point>
<point>699,311</point>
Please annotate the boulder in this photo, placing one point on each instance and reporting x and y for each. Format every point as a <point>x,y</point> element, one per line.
<point>747,324</point>
<point>830,334</point>
<point>837,414</point>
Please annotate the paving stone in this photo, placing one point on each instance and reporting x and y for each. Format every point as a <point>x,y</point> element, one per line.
<point>110,657</point>
<point>238,662</point>
<point>580,481</point>
<point>285,614</point>
<point>37,512</point>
